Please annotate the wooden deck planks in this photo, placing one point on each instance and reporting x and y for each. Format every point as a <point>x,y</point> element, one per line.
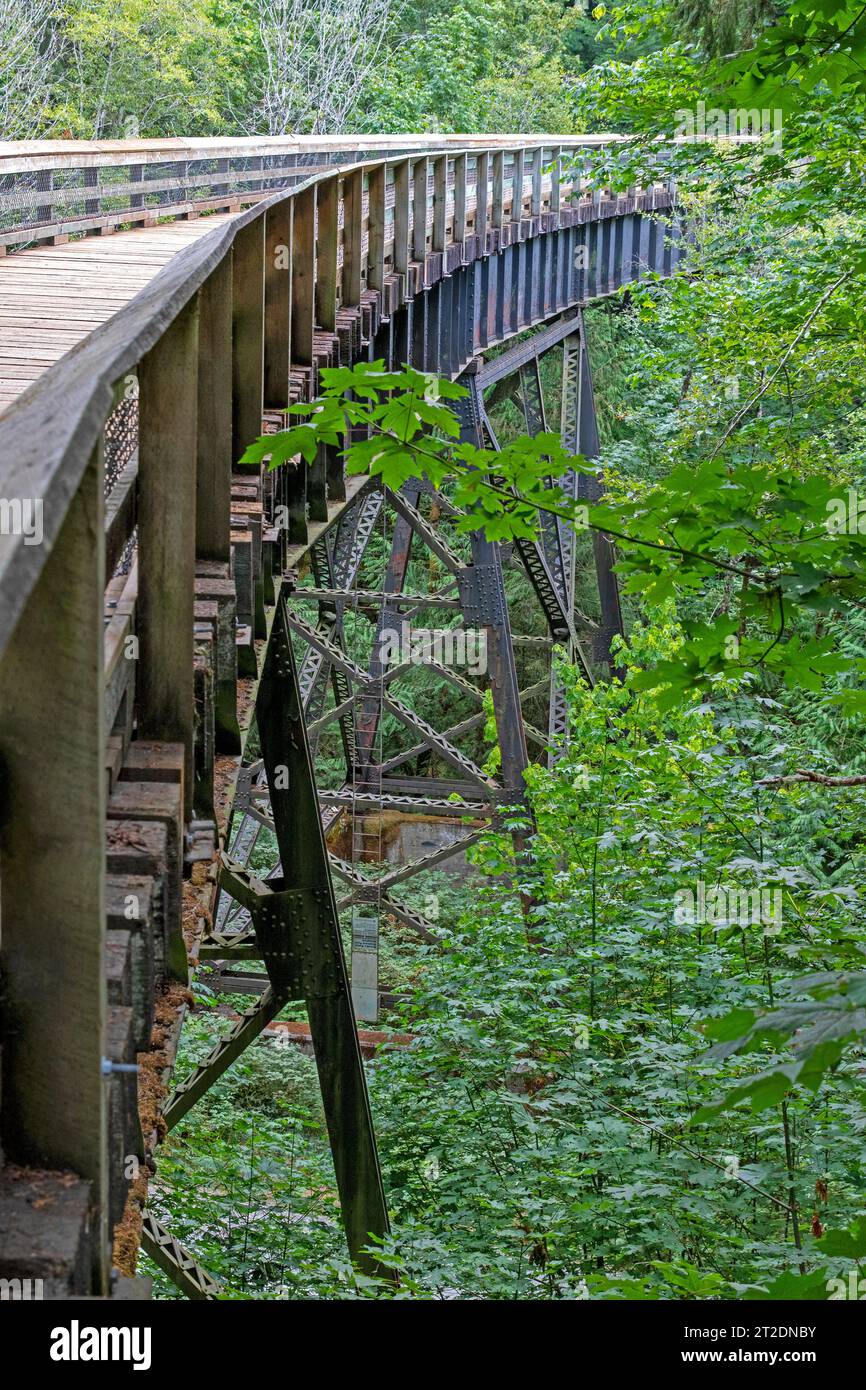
<point>51,297</point>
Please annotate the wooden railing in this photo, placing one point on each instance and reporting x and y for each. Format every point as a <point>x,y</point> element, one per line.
<point>50,190</point>
<point>116,679</point>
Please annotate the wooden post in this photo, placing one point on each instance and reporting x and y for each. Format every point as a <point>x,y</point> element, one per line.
<point>248,325</point>
<point>278,303</point>
<point>556,181</point>
<point>326,266</point>
<point>296,502</point>
<point>52,850</point>
<point>353,230</point>
<point>376,228</point>
<point>325,314</point>
<point>440,201</point>
<point>482,180</point>
<point>214,434</point>
<point>304,276</point>
<point>325,475</point>
<point>303,321</point>
<point>459,233</point>
<point>420,180</point>
<point>537,167</point>
<point>517,171</point>
<point>168,392</point>
<point>402,203</point>
<point>498,205</point>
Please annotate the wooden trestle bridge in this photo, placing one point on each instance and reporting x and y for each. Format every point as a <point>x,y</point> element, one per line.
<point>151,613</point>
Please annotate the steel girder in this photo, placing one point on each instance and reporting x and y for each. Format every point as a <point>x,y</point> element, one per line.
<point>590,489</point>
<point>293,925</point>
<point>301,944</point>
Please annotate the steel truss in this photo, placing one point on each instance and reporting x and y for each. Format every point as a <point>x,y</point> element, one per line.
<point>475,590</point>
<point>289,918</point>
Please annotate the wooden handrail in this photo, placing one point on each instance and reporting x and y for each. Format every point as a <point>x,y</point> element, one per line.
<point>57,188</point>
<point>25,155</point>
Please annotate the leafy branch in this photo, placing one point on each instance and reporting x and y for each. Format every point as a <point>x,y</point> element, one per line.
<point>676,536</point>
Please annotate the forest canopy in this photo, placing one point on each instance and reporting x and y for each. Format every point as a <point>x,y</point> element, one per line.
<point>109,69</point>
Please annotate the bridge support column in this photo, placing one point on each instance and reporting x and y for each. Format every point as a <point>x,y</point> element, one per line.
<point>248,320</point>
<point>214,409</point>
<point>580,435</point>
<point>433,335</point>
<point>484,605</point>
<point>317,947</point>
<point>278,305</point>
<point>52,847</point>
<point>419,332</point>
<point>168,403</point>
<point>213,491</point>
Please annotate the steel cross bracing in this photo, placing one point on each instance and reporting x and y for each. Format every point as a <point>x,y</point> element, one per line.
<point>325,653</point>
<point>342,556</point>
<point>480,593</point>
<point>551,526</point>
<point>543,561</point>
<point>338,559</point>
<point>181,1267</point>
<point>256,914</point>
<point>480,588</point>
<point>395,577</point>
<point>331,619</point>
